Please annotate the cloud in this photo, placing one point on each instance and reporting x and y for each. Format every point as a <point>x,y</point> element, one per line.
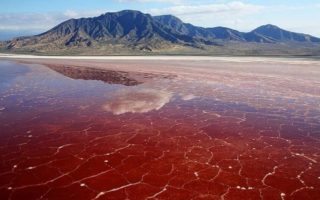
<point>137,101</point>
<point>235,7</point>
<point>233,14</point>
<point>40,21</point>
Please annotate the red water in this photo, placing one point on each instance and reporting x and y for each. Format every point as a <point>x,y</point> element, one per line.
<point>67,138</point>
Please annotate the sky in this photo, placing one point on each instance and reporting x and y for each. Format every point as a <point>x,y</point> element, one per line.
<point>27,17</point>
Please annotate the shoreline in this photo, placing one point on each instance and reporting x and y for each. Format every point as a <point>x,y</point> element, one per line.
<point>292,60</point>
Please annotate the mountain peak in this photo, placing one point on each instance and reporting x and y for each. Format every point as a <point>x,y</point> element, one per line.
<point>268,26</point>
<point>275,33</point>
<point>266,29</point>
<point>169,20</point>
<point>125,12</point>
<point>128,13</point>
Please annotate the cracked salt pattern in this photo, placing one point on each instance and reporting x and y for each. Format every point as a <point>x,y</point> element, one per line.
<point>222,134</point>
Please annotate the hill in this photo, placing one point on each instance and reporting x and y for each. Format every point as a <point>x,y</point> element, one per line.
<point>134,32</point>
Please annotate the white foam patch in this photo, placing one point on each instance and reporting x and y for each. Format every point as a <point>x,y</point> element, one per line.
<point>188,97</point>
<point>137,101</point>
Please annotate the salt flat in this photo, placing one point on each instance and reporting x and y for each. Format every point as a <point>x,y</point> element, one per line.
<point>169,127</point>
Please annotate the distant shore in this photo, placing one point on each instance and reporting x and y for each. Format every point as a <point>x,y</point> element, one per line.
<point>292,60</point>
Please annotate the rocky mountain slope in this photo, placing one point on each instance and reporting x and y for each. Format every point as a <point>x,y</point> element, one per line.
<point>130,31</point>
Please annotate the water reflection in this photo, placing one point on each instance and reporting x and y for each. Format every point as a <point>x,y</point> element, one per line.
<point>9,71</point>
<point>107,76</point>
<point>137,101</point>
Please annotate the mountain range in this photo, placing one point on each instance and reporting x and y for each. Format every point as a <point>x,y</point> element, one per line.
<point>134,32</point>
